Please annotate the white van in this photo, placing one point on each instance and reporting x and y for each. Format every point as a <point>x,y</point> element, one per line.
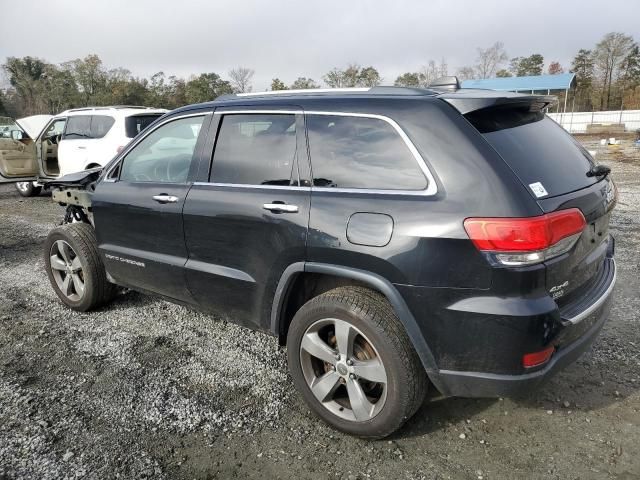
<point>43,147</point>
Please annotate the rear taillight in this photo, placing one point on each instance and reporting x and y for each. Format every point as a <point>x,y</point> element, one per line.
<point>525,241</point>
<point>536,359</point>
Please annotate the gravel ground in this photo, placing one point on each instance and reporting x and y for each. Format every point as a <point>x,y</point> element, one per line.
<point>147,389</point>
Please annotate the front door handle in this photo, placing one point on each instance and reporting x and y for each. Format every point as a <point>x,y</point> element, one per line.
<point>280,208</point>
<point>164,198</point>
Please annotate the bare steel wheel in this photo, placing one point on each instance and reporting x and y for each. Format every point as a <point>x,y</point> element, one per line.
<point>353,363</point>
<point>343,369</point>
<point>66,268</point>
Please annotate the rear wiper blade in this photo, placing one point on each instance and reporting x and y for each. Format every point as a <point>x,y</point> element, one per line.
<point>599,171</point>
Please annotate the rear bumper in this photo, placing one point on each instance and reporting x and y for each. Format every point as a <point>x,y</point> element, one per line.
<point>579,332</point>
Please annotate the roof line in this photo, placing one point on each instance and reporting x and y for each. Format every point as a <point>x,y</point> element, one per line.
<point>302,91</point>
<point>377,90</point>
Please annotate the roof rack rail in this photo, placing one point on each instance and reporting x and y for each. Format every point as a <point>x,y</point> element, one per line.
<point>377,90</point>
<point>303,91</point>
<point>110,107</point>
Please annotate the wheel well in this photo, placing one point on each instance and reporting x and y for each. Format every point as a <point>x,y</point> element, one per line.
<point>92,165</point>
<point>304,287</point>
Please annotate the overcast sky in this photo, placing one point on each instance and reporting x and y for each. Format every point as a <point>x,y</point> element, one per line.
<point>287,39</point>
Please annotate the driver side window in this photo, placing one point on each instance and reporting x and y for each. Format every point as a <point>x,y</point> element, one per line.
<point>165,154</point>
<point>54,129</point>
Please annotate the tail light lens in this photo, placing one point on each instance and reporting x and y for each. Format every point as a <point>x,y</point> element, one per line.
<point>525,241</point>
<point>536,359</point>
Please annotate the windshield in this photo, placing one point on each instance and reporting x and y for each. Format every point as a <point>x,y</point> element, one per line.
<point>541,153</point>
<point>8,125</point>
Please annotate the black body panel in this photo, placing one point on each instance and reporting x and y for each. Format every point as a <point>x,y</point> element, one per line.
<point>219,249</point>
<point>142,241</point>
<point>238,250</point>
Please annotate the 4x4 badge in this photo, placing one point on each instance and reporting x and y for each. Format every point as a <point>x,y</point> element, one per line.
<point>558,290</point>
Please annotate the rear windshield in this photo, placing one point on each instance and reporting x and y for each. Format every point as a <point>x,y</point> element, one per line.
<point>134,125</point>
<point>539,151</point>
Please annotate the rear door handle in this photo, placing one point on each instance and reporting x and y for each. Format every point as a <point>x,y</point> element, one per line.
<point>81,148</point>
<point>280,208</point>
<point>164,198</point>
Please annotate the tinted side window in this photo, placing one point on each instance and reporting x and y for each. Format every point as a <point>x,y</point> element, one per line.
<point>165,154</point>
<point>135,124</point>
<point>78,126</point>
<point>100,125</point>
<point>360,152</point>
<point>255,149</point>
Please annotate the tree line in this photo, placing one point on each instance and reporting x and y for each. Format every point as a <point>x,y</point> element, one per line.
<point>608,77</point>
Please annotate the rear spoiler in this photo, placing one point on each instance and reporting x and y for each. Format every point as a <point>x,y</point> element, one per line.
<point>470,100</point>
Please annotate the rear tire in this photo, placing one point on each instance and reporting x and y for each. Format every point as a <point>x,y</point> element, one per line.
<point>75,269</point>
<point>374,387</point>
<point>28,189</point>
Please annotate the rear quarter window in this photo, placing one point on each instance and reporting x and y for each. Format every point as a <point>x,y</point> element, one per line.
<point>100,125</point>
<point>536,148</point>
<point>360,152</point>
<point>137,123</point>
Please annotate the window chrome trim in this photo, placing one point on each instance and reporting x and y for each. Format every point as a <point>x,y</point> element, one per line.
<point>138,139</point>
<point>247,185</point>
<point>432,186</point>
<point>221,111</point>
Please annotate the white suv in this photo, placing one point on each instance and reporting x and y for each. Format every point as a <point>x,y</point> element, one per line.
<point>43,147</point>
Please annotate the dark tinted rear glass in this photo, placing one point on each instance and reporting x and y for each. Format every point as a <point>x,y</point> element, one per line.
<point>361,152</point>
<point>537,149</point>
<point>134,125</point>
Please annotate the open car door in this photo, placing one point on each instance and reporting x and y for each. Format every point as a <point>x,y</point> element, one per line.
<point>18,158</point>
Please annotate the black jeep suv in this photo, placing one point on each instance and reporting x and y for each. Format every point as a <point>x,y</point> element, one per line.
<point>392,238</point>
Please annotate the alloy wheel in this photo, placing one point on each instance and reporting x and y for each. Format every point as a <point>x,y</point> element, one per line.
<point>343,369</point>
<point>67,271</point>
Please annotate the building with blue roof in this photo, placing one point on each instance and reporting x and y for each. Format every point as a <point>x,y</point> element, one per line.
<point>528,84</point>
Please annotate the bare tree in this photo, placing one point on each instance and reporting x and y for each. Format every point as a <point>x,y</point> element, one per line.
<point>490,59</point>
<point>443,70</point>
<point>430,72</point>
<point>466,73</point>
<point>241,79</point>
<point>555,68</point>
<point>608,56</point>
